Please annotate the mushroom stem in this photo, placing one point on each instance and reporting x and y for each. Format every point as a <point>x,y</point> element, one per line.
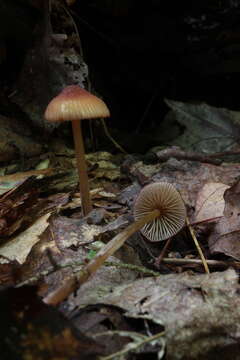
<point>72,283</point>
<point>82,167</point>
<point>112,246</point>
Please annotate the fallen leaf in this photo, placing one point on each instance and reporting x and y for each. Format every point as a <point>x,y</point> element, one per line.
<point>208,128</point>
<point>15,205</point>
<point>225,235</point>
<point>198,312</point>
<point>20,246</point>
<point>210,202</point>
<point>11,180</point>
<point>103,166</point>
<point>101,284</point>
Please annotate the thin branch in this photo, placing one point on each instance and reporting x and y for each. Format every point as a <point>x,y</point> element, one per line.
<point>134,346</point>
<point>198,246</point>
<point>107,133</point>
<point>175,261</point>
<point>177,153</point>
<point>162,254</point>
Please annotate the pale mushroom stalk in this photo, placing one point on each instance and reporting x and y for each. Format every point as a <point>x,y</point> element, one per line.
<point>81,167</point>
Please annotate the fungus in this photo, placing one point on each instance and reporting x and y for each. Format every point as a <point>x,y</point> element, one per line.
<point>159,212</point>
<point>75,104</point>
<point>168,211</point>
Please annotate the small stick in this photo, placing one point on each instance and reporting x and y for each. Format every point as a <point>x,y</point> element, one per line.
<point>175,261</point>
<point>162,254</point>
<point>133,346</point>
<point>118,146</point>
<point>198,246</point>
<point>177,153</point>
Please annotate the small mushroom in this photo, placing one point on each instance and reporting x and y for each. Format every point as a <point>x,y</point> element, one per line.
<point>75,104</point>
<point>160,213</point>
<point>164,198</point>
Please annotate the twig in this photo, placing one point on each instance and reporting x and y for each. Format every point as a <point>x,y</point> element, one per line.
<point>75,28</point>
<point>198,246</point>
<point>99,34</point>
<point>177,153</point>
<point>224,153</point>
<point>119,147</point>
<point>146,111</point>
<point>175,261</point>
<point>162,254</point>
<point>134,346</point>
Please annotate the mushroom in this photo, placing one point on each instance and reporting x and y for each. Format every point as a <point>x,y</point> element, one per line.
<point>168,211</point>
<point>159,212</point>
<point>74,104</point>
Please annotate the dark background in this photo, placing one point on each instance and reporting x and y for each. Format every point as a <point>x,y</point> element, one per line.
<point>138,53</point>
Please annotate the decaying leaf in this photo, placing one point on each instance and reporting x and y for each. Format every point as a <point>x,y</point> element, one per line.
<point>208,129</point>
<point>210,202</point>
<point>128,195</point>
<point>77,232</point>
<point>67,241</point>
<point>101,284</point>
<point>200,313</point>
<point>73,232</point>
<point>15,205</point>
<point>105,167</point>
<point>225,235</point>
<point>189,176</point>
<point>19,247</point>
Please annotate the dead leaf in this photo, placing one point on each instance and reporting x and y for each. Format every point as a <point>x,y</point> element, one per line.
<point>210,202</point>
<point>15,205</point>
<point>19,247</point>
<point>189,176</point>
<point>225,235</point>
<point>197,312</point>
<point>103,165</point>
<point>208,129</point>
<point>23,175</point>
<point>101,284</point>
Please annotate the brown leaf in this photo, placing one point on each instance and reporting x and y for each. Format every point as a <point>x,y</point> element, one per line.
<point>15,204</point>
<point>210,202</point>
<point>225,236</point>
<point>19,247</point>
<point>8,274</point>
<point>200,313</point>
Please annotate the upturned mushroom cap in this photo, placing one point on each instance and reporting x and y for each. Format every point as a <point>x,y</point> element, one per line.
<point>164,197</point>
<point>75,103</point>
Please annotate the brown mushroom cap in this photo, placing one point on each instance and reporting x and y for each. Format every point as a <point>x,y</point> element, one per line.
<point>164,197</point>
<point>75,103</point>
